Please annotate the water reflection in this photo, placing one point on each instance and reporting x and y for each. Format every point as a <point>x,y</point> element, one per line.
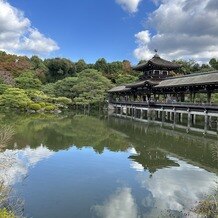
<point>17,163</point>
<point>106,167</point>
<point>120,204</point>
<point>178,188</point>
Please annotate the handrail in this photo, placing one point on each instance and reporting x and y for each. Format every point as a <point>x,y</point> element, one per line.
<point>164,103</point>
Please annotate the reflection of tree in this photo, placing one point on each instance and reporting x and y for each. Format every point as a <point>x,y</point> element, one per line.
<point>152,159</point>
<point>6,133</point>
<point>194,149</point>
<point>59,133</point>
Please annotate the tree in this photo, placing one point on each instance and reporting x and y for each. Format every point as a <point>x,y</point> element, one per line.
<point>101,65</point>
<point>214,63</point>
<point>28,80</point>
<point>80,66</point>
<point>125,79</point>
<point>14,98</point>
<point>65,87</point>
<point>91,87</point>
<point>59,68</point>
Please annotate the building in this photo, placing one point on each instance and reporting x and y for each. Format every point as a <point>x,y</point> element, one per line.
<point>159,83</point>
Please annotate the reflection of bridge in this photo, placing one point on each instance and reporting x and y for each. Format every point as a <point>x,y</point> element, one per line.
<point>194,117</point>
<point>164,143</point>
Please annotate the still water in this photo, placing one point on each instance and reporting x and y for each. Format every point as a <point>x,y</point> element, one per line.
<point>99,166</point>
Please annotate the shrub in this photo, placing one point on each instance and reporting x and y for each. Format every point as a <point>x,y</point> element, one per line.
<point>6,214</point>
<point>3,88</point>
<point>50,108</point>
<point>63,100</point>
<point>35,106</point>
<point>15,98</point>
<point>42,104</point>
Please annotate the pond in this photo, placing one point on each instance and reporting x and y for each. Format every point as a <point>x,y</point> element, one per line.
<point>99,166</point>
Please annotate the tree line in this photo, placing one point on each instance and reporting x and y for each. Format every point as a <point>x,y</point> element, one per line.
<point>37,84</point>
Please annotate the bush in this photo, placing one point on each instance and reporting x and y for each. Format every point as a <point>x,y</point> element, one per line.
<point>3,88</point>
<point>50,108</point>
<point>35,106</point>
<point>5,214</point>
<point>42,104</point>
<point>63,100</point>
<point>15,98</point>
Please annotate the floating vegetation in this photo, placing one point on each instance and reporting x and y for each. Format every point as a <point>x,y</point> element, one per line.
<point>208,207</point>
<point>6,133</point>
<point>215,152</point>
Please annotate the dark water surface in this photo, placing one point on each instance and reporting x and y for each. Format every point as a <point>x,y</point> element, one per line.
<point>88,166</point>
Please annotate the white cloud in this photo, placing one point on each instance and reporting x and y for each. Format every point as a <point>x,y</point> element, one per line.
<point>184,29</point>
<point>17,34</point>
<point>121,205</point>
<point>15,164</point>
<point>178,188</point>
<point>129,5</point>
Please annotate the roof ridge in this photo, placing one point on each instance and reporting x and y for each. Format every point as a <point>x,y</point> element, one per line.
<point>192,75</point>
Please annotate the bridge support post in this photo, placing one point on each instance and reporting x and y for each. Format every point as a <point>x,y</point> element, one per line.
<point>189,120</point>
<point>141,115</point>
<point>163,116</point>
<point>121,110</point>
<point>205,122</point>
<point>174,121</point>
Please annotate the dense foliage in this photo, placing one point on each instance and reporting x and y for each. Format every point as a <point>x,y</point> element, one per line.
<point>51,84</point>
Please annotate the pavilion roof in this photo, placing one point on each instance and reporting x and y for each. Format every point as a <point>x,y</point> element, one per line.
<point>142,83</point>
<point>191,79</point>
<point>158,62</point>
<point>122,88</point>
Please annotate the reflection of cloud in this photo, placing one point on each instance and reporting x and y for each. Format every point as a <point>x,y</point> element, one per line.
<point>16,162</point>
<point>137,166</point>
<point>178,188</point>
<point>121,205</point>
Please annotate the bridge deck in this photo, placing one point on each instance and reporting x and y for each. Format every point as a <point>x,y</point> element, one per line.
<point>177,105</point>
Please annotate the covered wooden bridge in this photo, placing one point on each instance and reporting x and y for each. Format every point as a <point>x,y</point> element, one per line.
<point>161,90</point>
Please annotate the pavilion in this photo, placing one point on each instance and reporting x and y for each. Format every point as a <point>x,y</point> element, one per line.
<point>160,80</point>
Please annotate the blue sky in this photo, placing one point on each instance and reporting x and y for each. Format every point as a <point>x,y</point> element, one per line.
<point>113,29</point>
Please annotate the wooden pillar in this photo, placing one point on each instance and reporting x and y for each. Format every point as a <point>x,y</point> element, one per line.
<point>189,120</point>
<point>121,110</point>
<point>174,121</point>
<point>163,115</point>
<point>182,97</point>
<point>181,117</point>
<point>208,97</point>
<point>141,115</point>
<point>171,116</point>
<point>205,122</point>
<point>132,112</point>
<point>194,119</point>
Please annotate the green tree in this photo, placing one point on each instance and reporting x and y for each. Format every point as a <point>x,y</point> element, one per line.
<point>14,98</point>
<point>80,66</point>
<point>91,87</point>
<point>65,87</point>
<point>101,65</point>
<point>214,63</point>
<point>125,79</point>
<point>59,68</point>
<point>28,80</point>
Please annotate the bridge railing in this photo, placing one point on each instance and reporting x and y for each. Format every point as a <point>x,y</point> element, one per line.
<point>167,104</point>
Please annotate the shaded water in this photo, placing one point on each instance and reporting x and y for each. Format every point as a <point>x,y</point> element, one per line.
<point>88,166</point>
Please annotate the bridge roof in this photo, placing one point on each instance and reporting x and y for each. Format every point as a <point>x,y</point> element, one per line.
<point>119,89</point>
<point>192,79</point>
<point>142,83</point>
